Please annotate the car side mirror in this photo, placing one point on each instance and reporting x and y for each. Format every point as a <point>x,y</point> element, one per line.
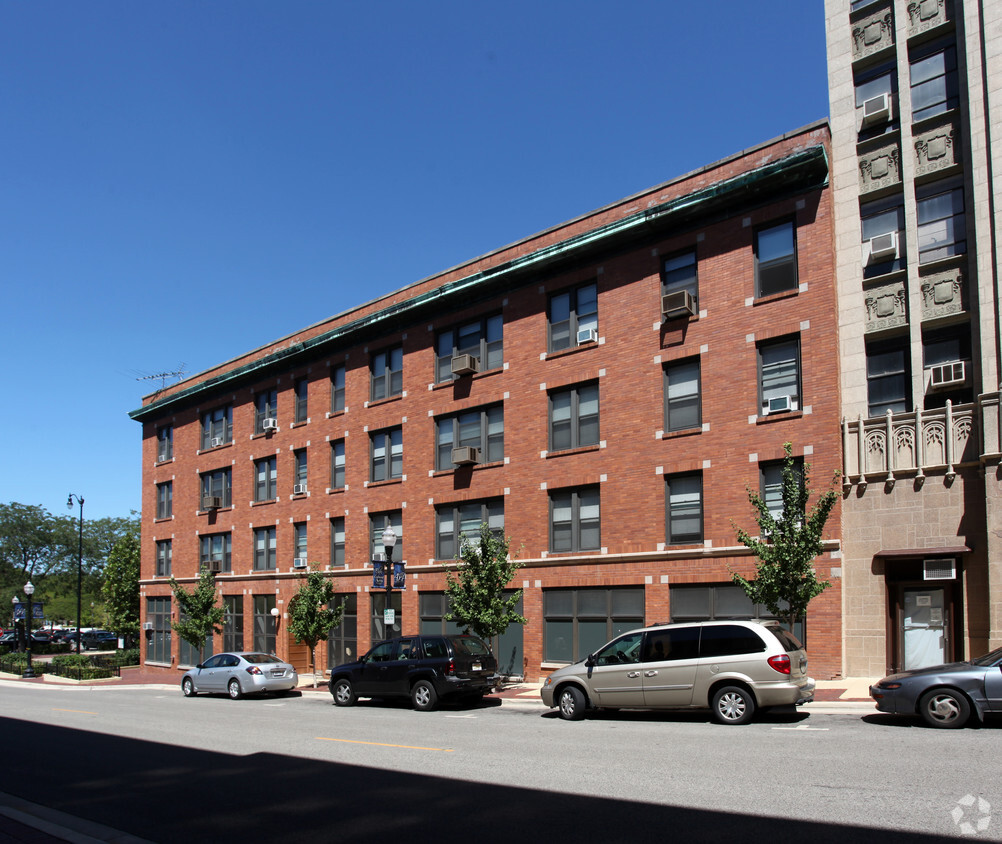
<point>590,660</point>
<point>199,666</point>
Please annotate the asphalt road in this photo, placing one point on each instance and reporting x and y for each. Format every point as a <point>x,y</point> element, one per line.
<point>163,768</point>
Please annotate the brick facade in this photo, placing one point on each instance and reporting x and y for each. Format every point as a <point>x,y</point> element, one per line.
<point>621,248</point>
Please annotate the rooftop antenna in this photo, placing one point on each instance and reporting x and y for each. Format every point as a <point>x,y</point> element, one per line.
<point>178,373</point>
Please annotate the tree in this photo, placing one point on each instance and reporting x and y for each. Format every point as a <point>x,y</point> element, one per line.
<point>310,615</point>
<point>476,588</point>
<point>121,586</point>
<point>787,546</point>
<point>200,617</point>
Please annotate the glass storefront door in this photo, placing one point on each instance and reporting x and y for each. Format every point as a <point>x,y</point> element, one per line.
<point>924,627</point>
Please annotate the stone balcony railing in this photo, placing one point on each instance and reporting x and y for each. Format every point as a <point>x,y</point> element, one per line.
<point>923,441</point>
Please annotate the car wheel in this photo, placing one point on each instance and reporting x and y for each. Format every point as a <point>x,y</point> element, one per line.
<point>344,694</point>
<point>233,687</point>
<point>733,705</point>
<point>423,696</point>
<point>571,703</point>
<point>187,687</point>
<point>944,708</point>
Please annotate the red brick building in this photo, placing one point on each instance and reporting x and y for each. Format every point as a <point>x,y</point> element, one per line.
<point>606,391</point>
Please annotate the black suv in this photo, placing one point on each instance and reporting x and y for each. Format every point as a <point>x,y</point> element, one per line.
<point>423,668</point>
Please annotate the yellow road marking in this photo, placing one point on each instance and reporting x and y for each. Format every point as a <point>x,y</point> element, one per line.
<point>81,711</point>
<point>382,744</point>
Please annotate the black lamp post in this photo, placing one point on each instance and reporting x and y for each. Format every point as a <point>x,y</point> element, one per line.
<point>17,630</point>
<point>69,506</point>
<point>29,590</point>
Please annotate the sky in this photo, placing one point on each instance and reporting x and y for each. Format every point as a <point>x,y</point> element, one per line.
<point>182,182</point>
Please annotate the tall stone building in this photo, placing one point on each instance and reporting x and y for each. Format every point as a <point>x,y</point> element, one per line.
<point>916,167</point>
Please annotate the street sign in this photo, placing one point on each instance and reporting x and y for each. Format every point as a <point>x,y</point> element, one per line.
<point>389,617</point>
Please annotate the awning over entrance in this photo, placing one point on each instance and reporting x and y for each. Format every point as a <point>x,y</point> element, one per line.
<point>945,551</point>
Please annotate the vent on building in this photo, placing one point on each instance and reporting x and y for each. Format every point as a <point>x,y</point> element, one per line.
<point>147,625</point>
<point>465,455</point>
<point>947,374</point>
<point>877,110</point>
<point>465,365</point>
<point>587,335</point>
<point>678,303</point>
<point>941,569</point>
<point>883,247</point>
<point>214,565</point>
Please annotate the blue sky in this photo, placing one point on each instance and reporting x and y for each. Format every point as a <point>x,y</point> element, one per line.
<point>182,182</point>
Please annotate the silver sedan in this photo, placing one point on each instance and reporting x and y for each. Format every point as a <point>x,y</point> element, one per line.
<point>239,674</point>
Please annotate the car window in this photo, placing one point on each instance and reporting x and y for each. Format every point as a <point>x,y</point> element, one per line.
<point>212,662</point>
<point>261,659</point>
<point>435,649</point>
<point>383,652</point>
<point>789,642</point>
<point>622,651</point>
<point>991,658</point>
<point>729,640</point>
<point>674,643</point>
<point>468,645</point>
<point>408,649</point>
<point>230,660</point>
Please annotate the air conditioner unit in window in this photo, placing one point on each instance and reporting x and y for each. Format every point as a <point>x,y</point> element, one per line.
<point>947,374</point>
<point>678,303</point>
<point>877,109</point>
<point>211,502</point>
<point>943,569</point>
<point>883,247</point>
<point>299,489</point>
<point>299,563</point>
<point>465,455</point>
<point>465,365</point>
<point>587,335</point>
<point>215,442</point>
<point>214,565</point>
<point>147,625</point>
<point>270,424</point>
<point>778,404</point>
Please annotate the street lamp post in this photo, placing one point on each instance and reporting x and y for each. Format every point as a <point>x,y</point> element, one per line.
<point>29,590</point>
<point>275,616</point>
<point>17,634</point>
<point>69,506</point>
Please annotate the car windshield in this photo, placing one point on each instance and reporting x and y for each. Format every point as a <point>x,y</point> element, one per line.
<point>468,645</point>
<point>260,659</point>
<point>990,658</point>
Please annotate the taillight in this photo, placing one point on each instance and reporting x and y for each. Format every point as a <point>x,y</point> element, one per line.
<point>780,663</point>
<point>451,667</point>
<point>253,669</point>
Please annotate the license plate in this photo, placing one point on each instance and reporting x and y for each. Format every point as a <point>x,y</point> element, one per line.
<point>477,666</point>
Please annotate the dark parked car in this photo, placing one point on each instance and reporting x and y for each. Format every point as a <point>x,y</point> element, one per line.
<point>99,640</point>
<point>945,695</point>
<point>424,668</point>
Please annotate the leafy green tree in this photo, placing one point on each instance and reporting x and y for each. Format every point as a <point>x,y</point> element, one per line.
<point>199,615</point>
<point>476,588</point>
<point>311,615</point>
<point>121,586</point>
<point>787,545</point>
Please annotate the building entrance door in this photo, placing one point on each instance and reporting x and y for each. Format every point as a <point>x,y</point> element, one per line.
<point>924,627</point>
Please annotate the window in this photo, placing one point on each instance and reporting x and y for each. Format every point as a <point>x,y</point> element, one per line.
<point>165,502</point>
<point>942,224</point>
<point>299,541</point>
<point>387,373</point>
<point>189,654</point>
<point>158,645</point>
<point>574,520</point>
<point>265,408</point>
<point>888,377</point>
<point>685,508</point>
<point>577,622</point>
<point>342,641</point>
<point>870,85</point>
<point>679,273</point>
<point>300,471</point>
<point>934,82</point>
<point>264,549</point>
<point>481,429</point>
<point>482,339</point>
<point>718,602</point>
<point>574,417</point>
<point>164,552</point>
<point>337,541</point>
<point>779,376</point>
<point>570,313</point>
<point>378,522</point>
<point>217,489</point>
<point>233,622</point>
<point>217,427</point>
<point>432,609</point>
<point>266,479</point>
<point>682,395</point>
<point>387,455</point>
<point>943,349</point>
<point>165,443</point>
<point>337,389</point>
<point>264,624</point>
<point>771,483</point>
<point>456,520</point>
<point>215,549</point>
<point>775,259</point>
<point>886,216</point>
<point>302,404</point>
<point>337,464</point>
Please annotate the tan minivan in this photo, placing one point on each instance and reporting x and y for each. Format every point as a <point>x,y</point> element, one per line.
<point>729,667</point>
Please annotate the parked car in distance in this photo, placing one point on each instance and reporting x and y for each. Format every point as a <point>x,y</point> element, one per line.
<point>239,674</point>
<point>945,695</point>
<point>426,669</point>
<point>732,668</point>
<point>100,640</point>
